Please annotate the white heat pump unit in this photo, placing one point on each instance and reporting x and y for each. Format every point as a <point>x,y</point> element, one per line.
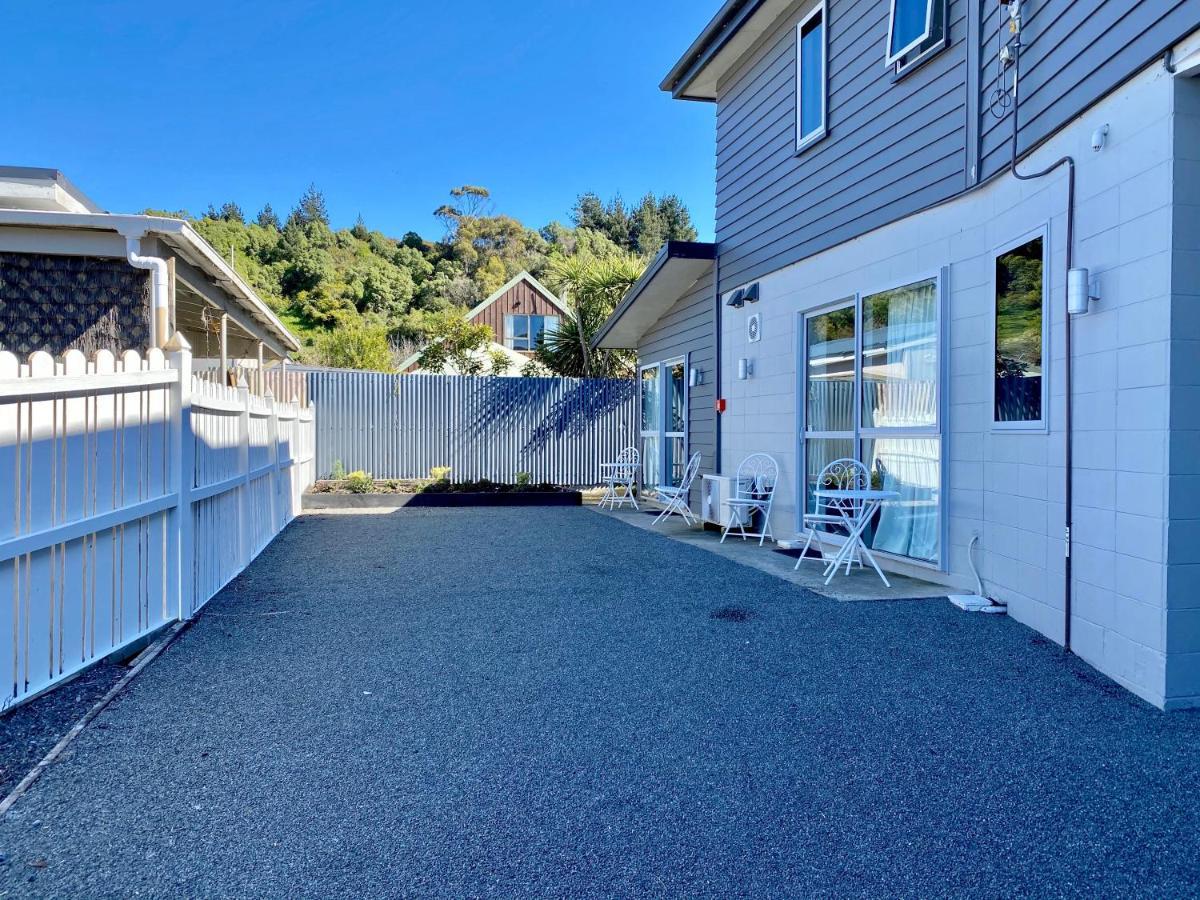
<point>715,490</point>
<point>754,328</point>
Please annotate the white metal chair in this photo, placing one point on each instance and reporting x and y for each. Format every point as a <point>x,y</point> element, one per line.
<point>754,492</point>
<point>620,474</point>
<point>842,475</point>
<point>676,497</point>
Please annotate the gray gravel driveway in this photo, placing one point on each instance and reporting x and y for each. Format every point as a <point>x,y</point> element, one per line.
<point>549,702</point>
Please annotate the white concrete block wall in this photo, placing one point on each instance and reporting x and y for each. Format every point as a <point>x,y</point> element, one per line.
<point>1009,487</point>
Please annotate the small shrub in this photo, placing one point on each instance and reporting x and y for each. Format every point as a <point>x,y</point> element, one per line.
<point>523,479</point>
<point>359,483</point>
<point>339,470</point>
<point>440,473</point>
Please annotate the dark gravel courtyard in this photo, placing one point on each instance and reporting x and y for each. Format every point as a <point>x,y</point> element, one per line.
<point>550,702</point>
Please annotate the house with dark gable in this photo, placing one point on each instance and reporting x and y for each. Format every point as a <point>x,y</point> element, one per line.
<point>957,241</point>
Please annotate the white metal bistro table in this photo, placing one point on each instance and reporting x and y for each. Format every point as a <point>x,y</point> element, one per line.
<point>867,502</point>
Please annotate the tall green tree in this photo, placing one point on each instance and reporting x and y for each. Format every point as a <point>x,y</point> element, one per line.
<point>592,286</point>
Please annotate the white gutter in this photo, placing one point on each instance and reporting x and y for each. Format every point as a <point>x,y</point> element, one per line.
<point>158,285</point>
<point>179,231</point>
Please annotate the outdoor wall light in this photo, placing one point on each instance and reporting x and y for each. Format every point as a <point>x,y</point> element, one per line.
<point>738,300</point>
<point>745,369</point>
<point>1079,292</point>
<point>695,377</point>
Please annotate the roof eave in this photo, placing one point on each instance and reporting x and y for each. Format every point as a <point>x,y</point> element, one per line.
<point>724,25</point>
<point>686,250</point>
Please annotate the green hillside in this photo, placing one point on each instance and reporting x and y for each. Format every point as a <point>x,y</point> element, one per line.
<point>358,297</point>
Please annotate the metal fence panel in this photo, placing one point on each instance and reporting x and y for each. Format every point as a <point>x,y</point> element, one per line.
<point>400,426</point>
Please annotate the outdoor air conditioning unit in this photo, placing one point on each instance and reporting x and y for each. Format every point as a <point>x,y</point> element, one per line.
<point>715,489</point>
<point>754,328</point>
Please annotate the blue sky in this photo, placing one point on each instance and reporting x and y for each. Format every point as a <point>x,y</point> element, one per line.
<point>384,105</point>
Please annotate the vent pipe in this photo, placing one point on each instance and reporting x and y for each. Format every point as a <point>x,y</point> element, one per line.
<point>158,287</point>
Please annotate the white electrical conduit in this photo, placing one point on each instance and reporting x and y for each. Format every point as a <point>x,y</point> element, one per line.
<point>158,290</point>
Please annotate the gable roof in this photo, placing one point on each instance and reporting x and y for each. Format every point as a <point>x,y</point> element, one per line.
<point>513,282</point>
<point>731,33</point>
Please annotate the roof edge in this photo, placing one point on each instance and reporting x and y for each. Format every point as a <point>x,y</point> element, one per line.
<point>716,34</point>
<point>670,250</point>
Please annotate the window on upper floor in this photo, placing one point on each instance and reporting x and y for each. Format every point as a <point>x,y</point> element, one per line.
<point>909,25</point>
<point>527,332</point>
<point>810,77</point>
<point>938,40</point>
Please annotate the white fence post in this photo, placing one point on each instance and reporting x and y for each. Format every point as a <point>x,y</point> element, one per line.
<point>182,450</point>
<point>273,449</point>
<point>245,538</point>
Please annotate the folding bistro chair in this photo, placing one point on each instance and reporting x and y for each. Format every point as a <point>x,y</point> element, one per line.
<point>677,497</point>
<point>621,473</point>
<point>842,475</point>
<point>754,491</point>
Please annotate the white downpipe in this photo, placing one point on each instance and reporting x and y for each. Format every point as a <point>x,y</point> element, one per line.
<point>158,290</point>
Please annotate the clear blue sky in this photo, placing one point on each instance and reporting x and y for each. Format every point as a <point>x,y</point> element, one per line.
<point>384,105</point>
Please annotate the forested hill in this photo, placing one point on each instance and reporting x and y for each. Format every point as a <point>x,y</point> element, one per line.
<point>359,288</point>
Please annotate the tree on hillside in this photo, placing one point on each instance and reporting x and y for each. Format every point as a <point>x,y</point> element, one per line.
<point>360,229</point>
<point>267,218</point>
<point>310,209</point>
<point>644,230</point>
<point>231,212</point>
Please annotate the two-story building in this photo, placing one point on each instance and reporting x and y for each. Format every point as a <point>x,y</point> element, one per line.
<point>961,242</point>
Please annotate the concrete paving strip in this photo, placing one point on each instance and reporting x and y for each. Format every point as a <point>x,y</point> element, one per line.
<point>860,584</point>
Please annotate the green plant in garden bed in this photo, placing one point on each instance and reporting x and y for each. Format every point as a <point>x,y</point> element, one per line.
<point>359,483</point>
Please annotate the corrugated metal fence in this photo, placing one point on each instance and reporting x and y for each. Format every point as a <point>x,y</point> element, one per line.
<point>400,426</point>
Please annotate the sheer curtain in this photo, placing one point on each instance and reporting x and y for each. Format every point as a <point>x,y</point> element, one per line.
<point>900,376</point>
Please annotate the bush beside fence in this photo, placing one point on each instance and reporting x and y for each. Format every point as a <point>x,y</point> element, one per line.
<point>131,493</point>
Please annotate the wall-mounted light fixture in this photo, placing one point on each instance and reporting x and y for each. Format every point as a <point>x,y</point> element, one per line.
<point>738,300</point>
<point>745,369</point>
<point>695,377</point>
<point>1079,292</point>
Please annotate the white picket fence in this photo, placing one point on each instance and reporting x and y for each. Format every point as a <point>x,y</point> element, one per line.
<point>130,493</point>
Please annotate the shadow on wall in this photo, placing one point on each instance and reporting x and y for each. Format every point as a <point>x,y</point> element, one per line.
<point>506,401</point>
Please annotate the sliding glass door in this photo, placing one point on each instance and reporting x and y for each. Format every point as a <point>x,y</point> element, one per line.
<point>872,392</point>
<point>664,422</point>
<point>829,398</point>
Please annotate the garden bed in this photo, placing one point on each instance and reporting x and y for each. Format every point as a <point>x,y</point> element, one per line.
<point>364,493</point>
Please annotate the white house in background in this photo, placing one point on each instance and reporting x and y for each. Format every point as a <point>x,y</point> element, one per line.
<point>905,249</point>
<point>520,313</point>
<point>75,276</point>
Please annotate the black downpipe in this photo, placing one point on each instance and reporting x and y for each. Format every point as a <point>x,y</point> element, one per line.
<point>717,359</point>
<point>1068,452</point>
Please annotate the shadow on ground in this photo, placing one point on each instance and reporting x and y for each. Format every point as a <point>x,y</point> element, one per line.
<point>517,702</point>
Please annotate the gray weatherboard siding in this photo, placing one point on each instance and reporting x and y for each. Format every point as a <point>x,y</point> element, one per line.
<point>897,146</point>
<point>686,329</point>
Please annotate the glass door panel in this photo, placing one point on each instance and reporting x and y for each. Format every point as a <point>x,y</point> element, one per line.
<point>911,525</point>
<point>829,395</point>
<point>829,347</point>
<point>900,357</point>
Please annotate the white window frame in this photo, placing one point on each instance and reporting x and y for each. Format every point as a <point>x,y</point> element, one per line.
<point>664,413</point>
<point>509,332</point>
<point>893,58</point>
<point>1042,425</point>
<point>902,68</point>
<point>804,140</point>
<point>937,431</point>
